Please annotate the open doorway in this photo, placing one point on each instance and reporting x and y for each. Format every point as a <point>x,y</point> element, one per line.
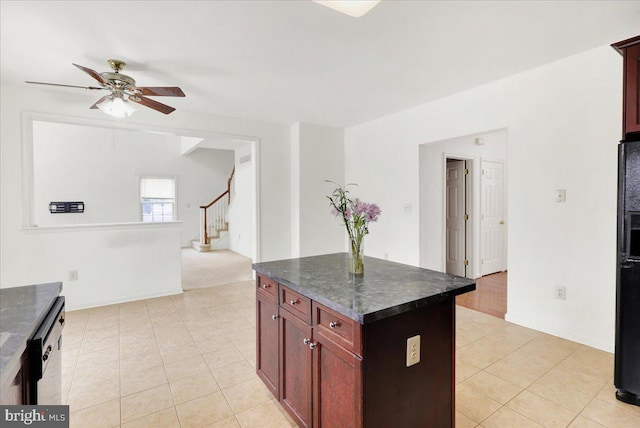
<point>222,250</point>
<point>463,214</point>
<point>490,296</point>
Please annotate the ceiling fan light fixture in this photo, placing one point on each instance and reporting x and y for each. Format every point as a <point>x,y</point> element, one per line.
<point>123,89</point>
<point>355,8</point>
<point>116,107</point>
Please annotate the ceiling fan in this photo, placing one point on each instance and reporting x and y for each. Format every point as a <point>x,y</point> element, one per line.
<point>122,89</point>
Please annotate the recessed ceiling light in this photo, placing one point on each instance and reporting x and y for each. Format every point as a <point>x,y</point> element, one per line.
<point>355,8</point>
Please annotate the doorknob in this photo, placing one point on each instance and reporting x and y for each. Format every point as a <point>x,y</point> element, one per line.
<point>501,221</point>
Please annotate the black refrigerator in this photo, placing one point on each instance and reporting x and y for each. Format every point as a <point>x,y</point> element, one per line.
<point>627,357</point>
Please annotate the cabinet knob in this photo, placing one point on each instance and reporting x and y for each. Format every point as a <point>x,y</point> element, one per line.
<point>306,341</point>
<point>294,302</point>
<point>312,346</point>
<point>274,317</point>
<point>334,324</point>
<point>265,286</point>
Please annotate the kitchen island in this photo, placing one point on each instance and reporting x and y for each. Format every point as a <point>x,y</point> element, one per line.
<point>339,350</point>
<point>22,310</point>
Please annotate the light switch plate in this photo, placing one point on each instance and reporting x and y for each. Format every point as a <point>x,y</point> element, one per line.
<point>561,195</point>
<point>413,350</point>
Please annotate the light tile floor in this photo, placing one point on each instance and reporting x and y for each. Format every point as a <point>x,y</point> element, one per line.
<point>189,361</point>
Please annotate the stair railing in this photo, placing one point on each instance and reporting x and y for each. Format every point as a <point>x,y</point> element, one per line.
<point>219,212</point>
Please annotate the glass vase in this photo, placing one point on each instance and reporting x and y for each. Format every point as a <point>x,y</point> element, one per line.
<point>356,258</point>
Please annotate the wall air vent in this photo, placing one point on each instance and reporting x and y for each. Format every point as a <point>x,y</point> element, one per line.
<point>66,207</point>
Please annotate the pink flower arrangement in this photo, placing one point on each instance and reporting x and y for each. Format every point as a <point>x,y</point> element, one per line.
<point>356,216</point>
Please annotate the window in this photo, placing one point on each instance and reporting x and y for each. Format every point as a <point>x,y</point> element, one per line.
<point>157,198</point>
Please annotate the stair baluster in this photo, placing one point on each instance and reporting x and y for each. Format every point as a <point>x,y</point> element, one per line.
<point>212,222</point>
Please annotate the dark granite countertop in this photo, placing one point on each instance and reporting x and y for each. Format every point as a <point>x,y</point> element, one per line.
<point>385,289</point>
<point>22,309</point>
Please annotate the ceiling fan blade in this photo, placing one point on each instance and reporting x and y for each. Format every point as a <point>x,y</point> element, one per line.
<point>147,102</point>
<point>95,105</point>
<point>92,73</point>
<point>93,88</point>
<point>162,91</point>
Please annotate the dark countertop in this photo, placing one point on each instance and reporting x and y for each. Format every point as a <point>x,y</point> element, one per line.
<point>385,289</point>
<point>22,309</point>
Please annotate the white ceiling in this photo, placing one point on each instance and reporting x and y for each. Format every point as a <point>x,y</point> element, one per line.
<point>290,61</point>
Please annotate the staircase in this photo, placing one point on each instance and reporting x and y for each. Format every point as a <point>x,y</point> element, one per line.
<point>214,220</point>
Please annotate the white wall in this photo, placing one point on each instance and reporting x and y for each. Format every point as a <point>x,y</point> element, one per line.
<point>564,122</point>
<point>242,208</point>
<point>31,257</point>
<point>317,155</point>
<point>115,264</point>
<point>102,167</point>
<point>432,193</point>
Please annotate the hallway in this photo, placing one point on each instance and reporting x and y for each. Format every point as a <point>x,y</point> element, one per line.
<point>213,268</point>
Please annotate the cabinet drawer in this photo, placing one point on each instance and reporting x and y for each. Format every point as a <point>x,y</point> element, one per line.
<point>296,303</point>
<point>342,330</point>
<point>267,286</point>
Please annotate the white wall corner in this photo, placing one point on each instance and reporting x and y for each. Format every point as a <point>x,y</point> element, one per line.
<point>295,189</point>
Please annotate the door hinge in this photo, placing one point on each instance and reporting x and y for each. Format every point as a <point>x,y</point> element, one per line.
<point>483,172</point>
<point>466,171</point>
<point>466,262</point>
<point>466,216</point>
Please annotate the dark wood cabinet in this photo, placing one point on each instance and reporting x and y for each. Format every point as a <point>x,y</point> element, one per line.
<point>335,372</point>
<point>337,396</point>
<point>295,367</point>
<point>630,50</point>
<point>267,341</point>
<point>317,378</point>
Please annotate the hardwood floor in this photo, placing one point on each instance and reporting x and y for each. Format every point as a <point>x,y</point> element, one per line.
<point>489,297</point>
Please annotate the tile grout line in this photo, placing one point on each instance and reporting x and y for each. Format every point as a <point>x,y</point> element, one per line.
<point>524,389</point>
<point>579,413</point>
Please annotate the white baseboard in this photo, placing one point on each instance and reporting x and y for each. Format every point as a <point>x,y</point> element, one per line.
<point>72,307</point>
<point>593,342</point>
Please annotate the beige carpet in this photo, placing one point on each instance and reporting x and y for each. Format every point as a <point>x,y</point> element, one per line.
<point>200,270</point>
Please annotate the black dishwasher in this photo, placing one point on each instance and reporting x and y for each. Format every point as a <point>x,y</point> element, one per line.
<point>45,358</point>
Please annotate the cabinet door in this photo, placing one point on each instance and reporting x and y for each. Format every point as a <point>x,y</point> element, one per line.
<point>295,367</point>
<point>267,342</point>
<point>632,89</point>
<point>337,385</point>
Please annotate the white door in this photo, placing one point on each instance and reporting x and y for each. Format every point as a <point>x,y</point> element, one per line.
<point>455,212</point>
<point>492,218</point>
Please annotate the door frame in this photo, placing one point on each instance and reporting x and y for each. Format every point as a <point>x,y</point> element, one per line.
<point>470,226</point>
<point>27,149</point>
